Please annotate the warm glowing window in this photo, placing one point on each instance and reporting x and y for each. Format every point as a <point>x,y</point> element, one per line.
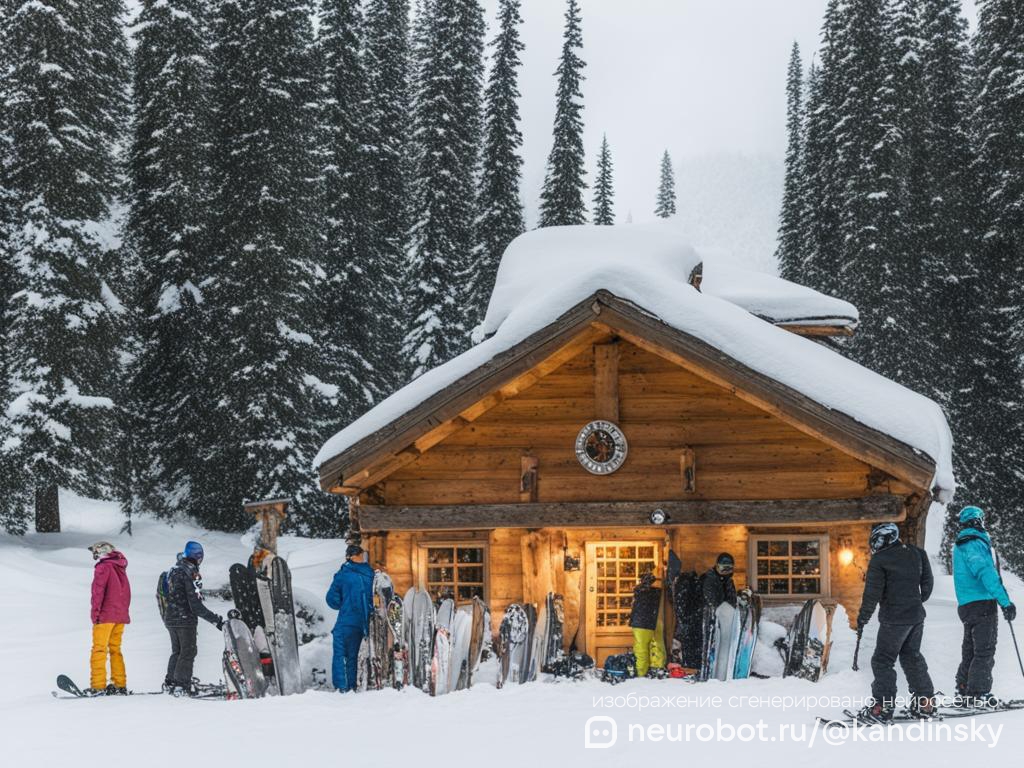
<point>454,570</point>
<point>789,566</point>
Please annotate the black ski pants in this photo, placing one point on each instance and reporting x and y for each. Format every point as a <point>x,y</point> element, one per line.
<point>978,652</point>
<point>183,654</point>
<point>903,642</point>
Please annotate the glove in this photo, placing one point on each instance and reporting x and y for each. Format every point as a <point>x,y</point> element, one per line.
<point>1010,612</point>
<point>220,623</point>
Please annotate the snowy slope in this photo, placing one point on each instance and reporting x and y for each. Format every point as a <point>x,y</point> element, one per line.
<point>45,602</point>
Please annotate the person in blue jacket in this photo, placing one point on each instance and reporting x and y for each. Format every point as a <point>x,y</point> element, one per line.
<point>351,595</point>
<point>979,589</point>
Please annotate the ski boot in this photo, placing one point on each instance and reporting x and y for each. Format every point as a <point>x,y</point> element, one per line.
<point>113,690</point>
<point>875,714</point>
<point>923,708</point>
<point>95,692</point>
<point>657,673</point>
<point>184,691</point>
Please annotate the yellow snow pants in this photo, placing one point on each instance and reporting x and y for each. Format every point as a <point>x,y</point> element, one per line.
<point>648,649</point>
<point>106,640</point>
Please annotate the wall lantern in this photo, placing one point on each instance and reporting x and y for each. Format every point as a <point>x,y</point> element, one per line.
<point>847,556</point>
<point>569,563</point>
<point>659,517</point>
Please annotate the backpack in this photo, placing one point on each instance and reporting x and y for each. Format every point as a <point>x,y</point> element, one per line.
<point>619,667</point>
<point>163,593</point>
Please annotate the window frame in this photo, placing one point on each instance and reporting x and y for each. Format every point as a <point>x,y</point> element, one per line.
<point>825,556</point>
<point>423,564</point>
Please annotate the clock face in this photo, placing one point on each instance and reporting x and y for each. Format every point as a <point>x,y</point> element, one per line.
<point>601,447</point>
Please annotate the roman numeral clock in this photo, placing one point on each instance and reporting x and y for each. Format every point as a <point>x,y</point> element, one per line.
<point>601,447</point>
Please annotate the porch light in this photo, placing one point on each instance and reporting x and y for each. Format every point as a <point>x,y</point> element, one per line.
<point>659,517</point>
<point>846,556</point>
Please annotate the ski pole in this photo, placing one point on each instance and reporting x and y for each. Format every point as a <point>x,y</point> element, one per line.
<point>856,650</point>
<point>1016,647</point>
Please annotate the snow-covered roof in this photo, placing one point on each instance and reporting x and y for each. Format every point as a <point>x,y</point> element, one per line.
<point>774,299</point>
<point>546,272</point>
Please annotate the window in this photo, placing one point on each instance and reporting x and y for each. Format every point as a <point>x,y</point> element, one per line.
<point>455,571</point>
<point>790,566</point>
<point>618,570</point>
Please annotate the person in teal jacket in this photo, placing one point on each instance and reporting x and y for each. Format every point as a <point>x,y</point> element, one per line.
<point>979,590</point>
<point>351,595</point>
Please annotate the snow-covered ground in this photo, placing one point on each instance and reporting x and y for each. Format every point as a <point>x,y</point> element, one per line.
<point>45,605</point>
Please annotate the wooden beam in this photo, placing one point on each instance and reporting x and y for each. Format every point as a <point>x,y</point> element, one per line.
<point>528,479</point>
<point>606,382</point>
<point>634,514</point>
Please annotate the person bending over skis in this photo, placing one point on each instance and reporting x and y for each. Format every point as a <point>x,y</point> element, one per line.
<point>899,580</point>
<point>111,597</point>
<point>643,619</point>
<point>181,617</point>
<point>351,595</point>
<point>979,588</point>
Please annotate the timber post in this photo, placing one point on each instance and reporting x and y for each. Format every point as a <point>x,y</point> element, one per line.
<point>268,513</point>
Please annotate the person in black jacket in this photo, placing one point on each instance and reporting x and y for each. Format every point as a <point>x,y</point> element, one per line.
<point>183,609</point>
<point>717,585</point>
<point>648,646</point>
<point>899,581</point>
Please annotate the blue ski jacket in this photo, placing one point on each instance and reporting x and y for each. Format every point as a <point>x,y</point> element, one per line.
<point>975,576</point>
<point>351,595</point>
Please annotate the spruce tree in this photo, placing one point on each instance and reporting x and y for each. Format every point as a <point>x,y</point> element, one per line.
<point>264,306</point>
<point>500,209</point>
<point>357,289</point>
<point>65,108</point>
<point>666,202</point>
<point>791,238</point>
<point>561,199</point>
<point>448,133</point>
<point>389,112</point>
<point>604,191</point>
<point>168,233</point>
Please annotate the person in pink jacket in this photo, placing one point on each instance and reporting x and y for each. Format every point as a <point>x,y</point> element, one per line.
<point>111,597</point>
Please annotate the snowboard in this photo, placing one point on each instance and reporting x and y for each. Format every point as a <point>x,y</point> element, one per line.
<point>259,639</point>
<point>709,633</point>
<point>476,639</point>
<point>528,672</point>
<point>396,638</point>
<point>409,631</point>
<point>378,651</point>
<point>675,567</point>
<point>246,595</point>
<point>461,635</point>
<point>423,637</point>
<point>554,652</point>
<point>538,647</point>
<point>749,606</point>
<point>726,640</point>
<point>440,662</point>
<point>243,672</point>
<point>285,640</point>
<point>687,605</point>
<point>808,642</point>
<point>445,612</point>
<point>512,637</point>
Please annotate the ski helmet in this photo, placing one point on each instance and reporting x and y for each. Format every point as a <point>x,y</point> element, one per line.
<point>883,535</point>
<point>100,548</point>
<point>971,514</point>
<point>725,563</point>
<point>194,551</point>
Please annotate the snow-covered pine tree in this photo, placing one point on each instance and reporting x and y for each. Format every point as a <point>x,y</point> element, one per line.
<point>448,135</point>
<point>604,187</point>
<point>665,205</point>
<point>65,107</point>
<point>790,254</point>
<point>993,405</point>
<point>168,235</point>
<point>561,198</point>
<point>388,68</point>
<point>263,306</point>
<point>868,154</point>
<point>821,187</point>
<point>500,209</point>
<point>358,297</point>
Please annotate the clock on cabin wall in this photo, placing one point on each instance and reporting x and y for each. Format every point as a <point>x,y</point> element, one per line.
<point>601,447</point>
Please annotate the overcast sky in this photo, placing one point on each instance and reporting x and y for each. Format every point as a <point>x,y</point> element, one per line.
<point>696,77</point>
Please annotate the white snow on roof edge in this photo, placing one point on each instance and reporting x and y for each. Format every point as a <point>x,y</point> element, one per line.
<point>799,363</point>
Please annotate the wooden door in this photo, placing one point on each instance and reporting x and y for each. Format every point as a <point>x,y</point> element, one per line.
<point>613,570</point>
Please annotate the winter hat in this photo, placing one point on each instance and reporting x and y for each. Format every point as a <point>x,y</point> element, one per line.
<point>101,548</point>
<point>725,561</point>
<point>352,550</point>
<point>970,514</point>
<point>194,551</point>
<point>883,535</point>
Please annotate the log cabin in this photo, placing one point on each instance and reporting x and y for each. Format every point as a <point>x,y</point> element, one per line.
<point>626,399</point>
